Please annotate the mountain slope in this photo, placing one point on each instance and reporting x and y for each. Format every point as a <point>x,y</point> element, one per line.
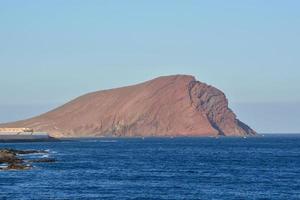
<point>166,106</point>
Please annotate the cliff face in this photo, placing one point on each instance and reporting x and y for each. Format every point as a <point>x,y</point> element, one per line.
<point>166,106</point>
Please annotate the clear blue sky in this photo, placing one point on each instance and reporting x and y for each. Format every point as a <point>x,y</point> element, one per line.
<point>53,51</point>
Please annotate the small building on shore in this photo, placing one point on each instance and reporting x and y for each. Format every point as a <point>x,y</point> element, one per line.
<point>22,134</point>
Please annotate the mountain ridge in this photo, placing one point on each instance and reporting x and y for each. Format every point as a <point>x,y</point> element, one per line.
<point>176,105</point>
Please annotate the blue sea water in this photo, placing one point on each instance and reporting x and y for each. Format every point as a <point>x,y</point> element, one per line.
<point>160,168</point>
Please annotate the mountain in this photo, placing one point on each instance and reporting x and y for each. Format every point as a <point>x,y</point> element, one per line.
<point>176,105</point>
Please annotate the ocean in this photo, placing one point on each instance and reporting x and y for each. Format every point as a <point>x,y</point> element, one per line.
<point>160,169</point>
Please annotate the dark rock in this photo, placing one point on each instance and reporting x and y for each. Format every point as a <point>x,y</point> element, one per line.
<point>26,151</point>
<point>13,162</point>
<point>14,166</point>
<point>43,160</point>
<point>7,156</point>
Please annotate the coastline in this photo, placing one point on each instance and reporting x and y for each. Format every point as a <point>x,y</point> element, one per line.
<point>62,139</point>
<point>11,140</point>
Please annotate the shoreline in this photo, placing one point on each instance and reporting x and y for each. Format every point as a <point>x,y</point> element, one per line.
<point>62,139</point>
<point>29,140</point>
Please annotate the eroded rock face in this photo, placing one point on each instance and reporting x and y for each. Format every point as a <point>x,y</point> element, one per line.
<point>213,103</point>
<point>166,106</point>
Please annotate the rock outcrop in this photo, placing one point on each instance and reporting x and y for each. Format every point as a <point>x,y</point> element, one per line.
<point>11,160</point>
<point>166,106</point>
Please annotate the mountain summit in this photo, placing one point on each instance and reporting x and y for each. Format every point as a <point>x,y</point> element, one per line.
<point>176,105</point>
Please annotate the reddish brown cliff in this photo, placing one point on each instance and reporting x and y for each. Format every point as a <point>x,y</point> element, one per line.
<point>166,106</point>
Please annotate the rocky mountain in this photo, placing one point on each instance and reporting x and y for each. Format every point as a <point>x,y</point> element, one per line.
<point>166,106</point>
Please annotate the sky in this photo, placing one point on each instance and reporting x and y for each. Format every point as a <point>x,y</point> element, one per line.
<point>53,51</point>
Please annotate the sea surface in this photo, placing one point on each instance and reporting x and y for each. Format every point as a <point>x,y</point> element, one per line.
<point>160,168</point>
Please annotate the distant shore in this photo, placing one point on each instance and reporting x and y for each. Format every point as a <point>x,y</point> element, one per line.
<point>53,139</point>
<point>9,140</point>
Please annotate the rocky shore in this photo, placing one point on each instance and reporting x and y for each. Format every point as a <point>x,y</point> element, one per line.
<point>10,159</point>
